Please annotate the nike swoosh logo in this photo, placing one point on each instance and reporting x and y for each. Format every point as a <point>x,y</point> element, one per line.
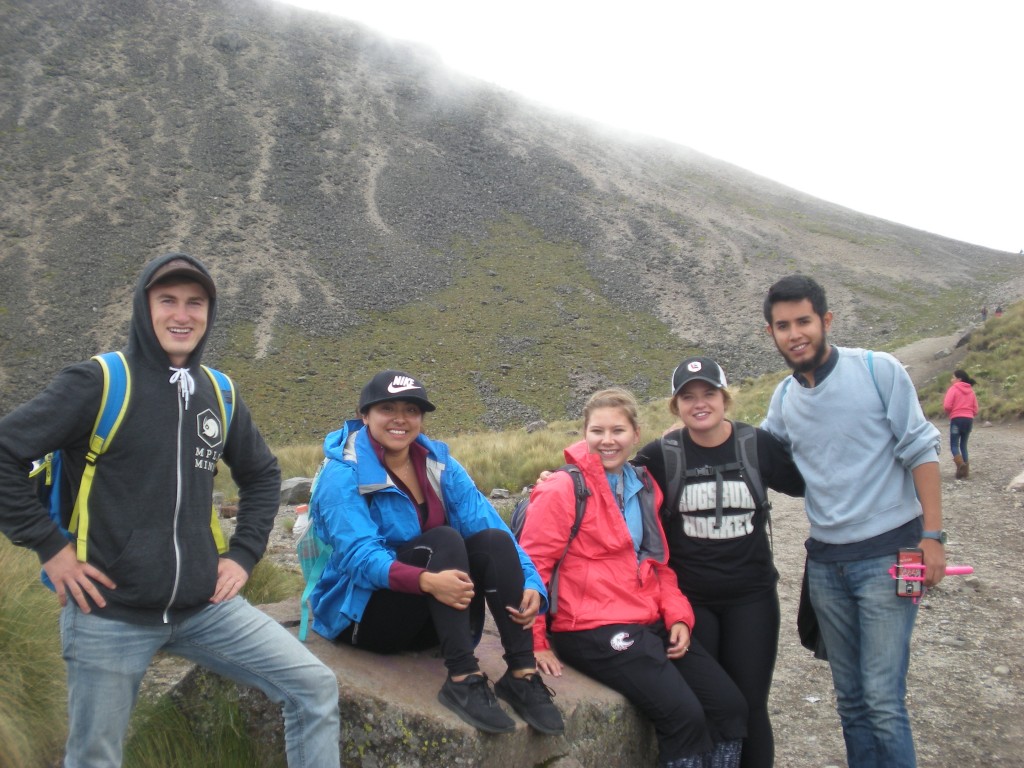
<point>394,390</point>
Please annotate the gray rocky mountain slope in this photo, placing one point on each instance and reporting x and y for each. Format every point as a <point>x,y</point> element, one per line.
<point>326,174</point>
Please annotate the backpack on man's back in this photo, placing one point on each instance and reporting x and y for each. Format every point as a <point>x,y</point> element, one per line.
<point>52,486</point>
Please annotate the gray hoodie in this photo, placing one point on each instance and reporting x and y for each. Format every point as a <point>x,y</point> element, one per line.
<point>151,497</point>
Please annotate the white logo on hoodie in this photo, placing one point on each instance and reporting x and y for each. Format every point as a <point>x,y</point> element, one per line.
<point>209,428</point>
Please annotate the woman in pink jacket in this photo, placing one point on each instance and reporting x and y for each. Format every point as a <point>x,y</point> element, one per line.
<point>961,405</point>
<point>621,618</point>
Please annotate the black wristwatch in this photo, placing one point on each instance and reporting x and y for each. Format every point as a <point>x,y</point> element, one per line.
<point>939,536</point>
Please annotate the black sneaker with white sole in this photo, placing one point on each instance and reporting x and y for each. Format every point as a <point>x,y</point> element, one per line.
<point>473,701</point>
<point>531,699</point>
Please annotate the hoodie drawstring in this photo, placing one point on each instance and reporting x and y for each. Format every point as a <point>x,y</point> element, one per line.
<point>186,384</point>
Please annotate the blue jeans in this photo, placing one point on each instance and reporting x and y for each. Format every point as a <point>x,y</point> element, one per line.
<point>107,659</point>
<point>866,629</point>
<point>959,431</point>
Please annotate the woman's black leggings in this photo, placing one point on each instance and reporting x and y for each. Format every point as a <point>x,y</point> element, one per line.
<point>744,639</point>
<point>691,701</point>
<point>397,621</point>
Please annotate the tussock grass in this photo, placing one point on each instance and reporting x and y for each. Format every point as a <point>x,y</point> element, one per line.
<point>32,682</point>
<point>33,689</point>
<point>510,460</point>
<point>164,736</point>
<point>751,397</point>
<point>300,460</point>
<point>270,583</point>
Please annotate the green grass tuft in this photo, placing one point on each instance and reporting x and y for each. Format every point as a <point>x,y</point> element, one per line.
<point>271,584</point>
<point>165,736</point>
<point>32,683</point>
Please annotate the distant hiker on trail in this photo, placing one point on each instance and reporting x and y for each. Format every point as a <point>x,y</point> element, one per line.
<point>984,314</point>
<point>417,552</point>
<point>999,311</point>
<point>144,574</point>
<point>621,618</point>
<point>961,405</point>
<point>717,525</point>
<point>869,458</point>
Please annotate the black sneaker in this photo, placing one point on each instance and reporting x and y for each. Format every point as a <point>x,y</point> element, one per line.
<point>473,701</point>
<point>531,699</point>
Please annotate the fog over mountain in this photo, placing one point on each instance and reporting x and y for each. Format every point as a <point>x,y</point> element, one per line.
<point>363,207</point>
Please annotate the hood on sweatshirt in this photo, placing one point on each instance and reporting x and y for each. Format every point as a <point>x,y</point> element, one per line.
<point>142,338</point>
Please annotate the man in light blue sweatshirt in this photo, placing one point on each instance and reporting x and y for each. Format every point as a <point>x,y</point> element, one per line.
<point>869,457</point>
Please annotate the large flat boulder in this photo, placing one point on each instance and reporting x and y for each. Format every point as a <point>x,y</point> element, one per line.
<point>390,715</point>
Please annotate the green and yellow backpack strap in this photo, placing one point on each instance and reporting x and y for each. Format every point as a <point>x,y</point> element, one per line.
<point>113,405</point>
<point>225,389</point>
<point>117,387</point>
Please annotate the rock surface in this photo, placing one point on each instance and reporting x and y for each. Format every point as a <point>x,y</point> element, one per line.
<point>391,716</point>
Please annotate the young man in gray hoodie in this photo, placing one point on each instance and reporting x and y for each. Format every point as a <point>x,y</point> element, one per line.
<point>148,576</point>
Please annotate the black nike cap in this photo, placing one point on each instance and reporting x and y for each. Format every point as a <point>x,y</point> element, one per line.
<point>394,385</point>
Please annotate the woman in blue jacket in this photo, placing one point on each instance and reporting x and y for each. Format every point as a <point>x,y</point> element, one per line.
<point>418,550</point>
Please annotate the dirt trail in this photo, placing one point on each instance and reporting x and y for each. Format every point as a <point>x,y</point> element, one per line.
<point>928,358</point>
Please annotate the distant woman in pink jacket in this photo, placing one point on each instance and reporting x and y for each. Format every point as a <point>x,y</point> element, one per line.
<point>961,406</point>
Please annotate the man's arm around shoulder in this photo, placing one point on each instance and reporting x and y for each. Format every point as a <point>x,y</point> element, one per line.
<point>773,422</point>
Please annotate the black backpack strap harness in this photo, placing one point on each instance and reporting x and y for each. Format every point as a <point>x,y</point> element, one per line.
<point>745,443</point>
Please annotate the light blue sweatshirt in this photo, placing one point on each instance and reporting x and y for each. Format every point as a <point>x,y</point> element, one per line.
<point>855,437</point>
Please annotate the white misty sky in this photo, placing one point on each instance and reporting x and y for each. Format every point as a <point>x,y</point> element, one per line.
<point>904,109</point>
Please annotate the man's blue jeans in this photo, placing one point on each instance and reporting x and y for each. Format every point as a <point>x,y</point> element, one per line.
<point>107,659</point>
<point>866,629</point>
